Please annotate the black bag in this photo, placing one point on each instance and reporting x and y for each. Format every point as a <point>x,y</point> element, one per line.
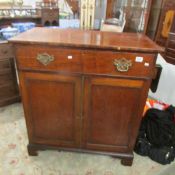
<point>162,155</point>
<point>156,137</point>
<point>159,126</point>
<point>142,147</point>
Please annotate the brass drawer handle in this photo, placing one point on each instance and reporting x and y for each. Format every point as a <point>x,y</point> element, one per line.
<point>122,64</point>
<point>45,58</point>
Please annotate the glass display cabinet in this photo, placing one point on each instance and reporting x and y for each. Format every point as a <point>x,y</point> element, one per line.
<point>137,13</point>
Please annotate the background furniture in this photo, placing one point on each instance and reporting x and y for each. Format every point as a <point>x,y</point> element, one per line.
<point>166,91</point>
<point>49,3</point>
<point>7,21</point>
<point>165,21</point>
<point>9,92</point>
<point>170,45</point>
<point>74,7</point>
<point>10,15</point>
<point>87,14</point>
<point>114,24</point>
<point>137,13</point>
<point>50,17</point>
<point>153,22</point>
<point>109,8</point>
<point>84,91</point>
<point>113,27</point>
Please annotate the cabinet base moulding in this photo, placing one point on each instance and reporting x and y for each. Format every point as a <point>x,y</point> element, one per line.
<point>126,158</point>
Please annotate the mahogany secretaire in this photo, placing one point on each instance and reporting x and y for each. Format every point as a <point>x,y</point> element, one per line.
<point>84,90</point>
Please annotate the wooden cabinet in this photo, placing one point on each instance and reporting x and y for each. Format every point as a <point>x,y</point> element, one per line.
<point>8,83</point>
<point>79,95</point>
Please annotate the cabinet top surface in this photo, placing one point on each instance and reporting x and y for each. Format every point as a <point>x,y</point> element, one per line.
<point>87,39</point>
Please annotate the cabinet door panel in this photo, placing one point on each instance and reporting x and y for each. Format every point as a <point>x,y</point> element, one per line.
<point>53,108</point>
<point>112,107</point>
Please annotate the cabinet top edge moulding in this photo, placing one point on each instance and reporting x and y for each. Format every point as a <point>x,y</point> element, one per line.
<point>88,39</point>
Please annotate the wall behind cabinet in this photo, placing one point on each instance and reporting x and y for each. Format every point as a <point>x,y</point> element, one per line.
<point>166,90</point>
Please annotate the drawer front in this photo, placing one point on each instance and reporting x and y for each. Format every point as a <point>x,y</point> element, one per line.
<point>48,58</point>
<point>85,61</point>
<point>6,51</point>
<point>120,64</point>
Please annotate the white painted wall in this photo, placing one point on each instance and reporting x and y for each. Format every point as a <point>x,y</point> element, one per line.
<point>166,87</point>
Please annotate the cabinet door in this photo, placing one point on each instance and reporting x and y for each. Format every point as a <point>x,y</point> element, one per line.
<point>52,108</point>
<point>112,112</point>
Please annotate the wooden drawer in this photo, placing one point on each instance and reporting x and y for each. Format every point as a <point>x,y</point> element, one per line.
<point>85,61</point>
<point>6,51</point>
<point>64,59</point>
<point>102,62</point>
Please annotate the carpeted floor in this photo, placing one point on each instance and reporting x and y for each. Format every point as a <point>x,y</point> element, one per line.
<point>14,159</point>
